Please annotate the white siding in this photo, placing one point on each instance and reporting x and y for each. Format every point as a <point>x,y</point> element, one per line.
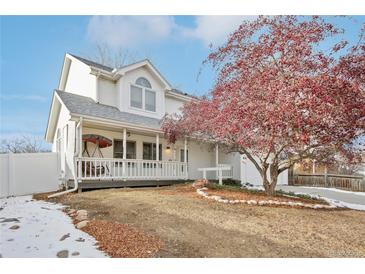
<point>66,154</point>
<point>107,93</point>
<point>124,91</point>
<point>249,174</point>
<point>233,159</point>
<point>80,81</point>
<point>173,105</point>
<point>200,156</point>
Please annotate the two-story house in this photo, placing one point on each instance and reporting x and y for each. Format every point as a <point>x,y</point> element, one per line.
<point>105,125</point>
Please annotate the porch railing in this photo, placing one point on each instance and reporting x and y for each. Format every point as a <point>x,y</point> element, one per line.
<point>226,174</point>
<point>129,169</point>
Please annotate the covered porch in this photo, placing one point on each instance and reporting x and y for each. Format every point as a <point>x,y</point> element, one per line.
<point>131,154</point>
<point>139,156</point>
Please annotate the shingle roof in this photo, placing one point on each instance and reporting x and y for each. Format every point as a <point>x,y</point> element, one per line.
<point>93,64</point>
<point>83,105</point>
<point>183,93</point>
<point>110,69</point>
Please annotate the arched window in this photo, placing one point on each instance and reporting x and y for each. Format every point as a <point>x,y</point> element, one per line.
<point>141,81</point>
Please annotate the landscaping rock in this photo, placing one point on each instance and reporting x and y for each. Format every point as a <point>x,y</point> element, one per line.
<point>200,183</point>
<point>62,254</point>
<point>81,212</point>
<point>201,192</point>
<point>71,211</point>
<point>81,215</point>
<point>14,227</point>
<point>80,240</point>
<point>75,253</point>
<point>8,220</point>
<point>65,237</point>
<point>81,224</point>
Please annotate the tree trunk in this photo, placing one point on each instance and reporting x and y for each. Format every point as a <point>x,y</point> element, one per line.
<point>270,188</point>
<point>270,185</point>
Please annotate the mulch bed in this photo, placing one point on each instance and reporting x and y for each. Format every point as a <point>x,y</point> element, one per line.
<point>185,189</point>
<point>122,241</point>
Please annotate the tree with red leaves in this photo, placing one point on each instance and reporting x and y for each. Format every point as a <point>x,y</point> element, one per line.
<point>288,88</point>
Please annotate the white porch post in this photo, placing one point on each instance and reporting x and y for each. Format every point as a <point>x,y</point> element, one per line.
<point>314,166</point>
<point>157,147</point>
<point>157,154</point>
<point>124,148</point>
<point>185,157</point>
<point>220,176</point>
<point>80,138</point>
<point>77,163</point>
<point>217,157</point>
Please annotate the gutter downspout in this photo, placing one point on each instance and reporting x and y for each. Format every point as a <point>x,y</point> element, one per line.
<point>78,151</point>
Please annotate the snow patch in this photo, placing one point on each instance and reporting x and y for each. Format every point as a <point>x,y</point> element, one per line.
<point>42,225</point>
<point>336,190</point>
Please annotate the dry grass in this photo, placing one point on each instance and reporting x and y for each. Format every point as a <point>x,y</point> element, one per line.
<point>191,226</point>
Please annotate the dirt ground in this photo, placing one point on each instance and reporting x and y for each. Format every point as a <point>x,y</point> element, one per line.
<point>191,226</point>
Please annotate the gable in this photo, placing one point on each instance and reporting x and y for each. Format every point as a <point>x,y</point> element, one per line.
<point>147,65</point>
<point>132,75</point>
<point>129,79</point>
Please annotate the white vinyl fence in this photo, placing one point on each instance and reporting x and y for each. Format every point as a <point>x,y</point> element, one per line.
<point>28,173</point>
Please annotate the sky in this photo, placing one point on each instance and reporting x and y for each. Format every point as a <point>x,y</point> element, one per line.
<point>32,49</point>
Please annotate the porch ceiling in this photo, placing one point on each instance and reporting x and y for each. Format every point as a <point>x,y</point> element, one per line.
<point>119,129</point>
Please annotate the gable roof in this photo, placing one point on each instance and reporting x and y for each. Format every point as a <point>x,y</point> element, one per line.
<point>176,91</point>
<point>92,63</point>
<point>124,69</point>
<point>86,106</point>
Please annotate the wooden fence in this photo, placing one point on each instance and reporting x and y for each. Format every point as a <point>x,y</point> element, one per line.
<point>347,182</point>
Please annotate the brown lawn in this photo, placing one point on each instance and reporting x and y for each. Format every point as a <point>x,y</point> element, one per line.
<point>191,226</point>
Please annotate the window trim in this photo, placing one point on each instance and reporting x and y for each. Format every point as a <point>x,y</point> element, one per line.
<point>182,155</point>
<point>144,78</point>
<point>154,92</point>
<point>151,144</point>
<point>143,108</point>
<point>128,141</point>
<point>130,96</point>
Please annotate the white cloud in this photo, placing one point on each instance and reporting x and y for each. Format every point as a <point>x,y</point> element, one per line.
<point>214,29</point>
<point>129,31</point>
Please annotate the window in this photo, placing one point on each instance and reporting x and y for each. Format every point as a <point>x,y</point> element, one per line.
<point>150,100</point>
<point>182,155</point>
<point>118,149</point>
<point>136,97</point>
<point>141,81</point>
<point>149,151</point>
<point>141,95</point>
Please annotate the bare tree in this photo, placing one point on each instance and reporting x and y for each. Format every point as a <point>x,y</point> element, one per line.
<point>115,58</point>
<point>23,144</point>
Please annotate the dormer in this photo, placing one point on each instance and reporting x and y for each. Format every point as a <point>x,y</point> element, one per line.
<point>138,88</point>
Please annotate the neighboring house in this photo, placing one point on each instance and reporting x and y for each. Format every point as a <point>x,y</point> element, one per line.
<point>126,106</point>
